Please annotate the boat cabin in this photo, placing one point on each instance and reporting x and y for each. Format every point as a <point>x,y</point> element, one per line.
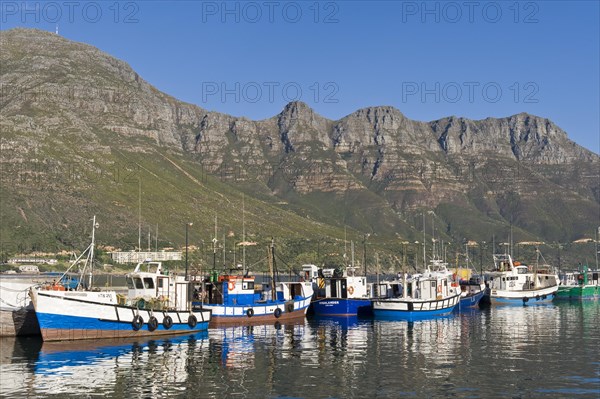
<point>244,291</point>
<point>332,283</point>
<point>422,287</point>
<point>149,285</point>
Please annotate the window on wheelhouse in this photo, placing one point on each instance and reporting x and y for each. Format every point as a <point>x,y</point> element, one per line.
<point>129,281</point>
<point>148,282</point>
<point>522,270</point>
<point>138,283</point>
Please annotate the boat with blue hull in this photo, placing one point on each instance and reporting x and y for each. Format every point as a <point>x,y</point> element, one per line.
<point>514,283</point>
<point>471,301</point>
<point>238,299</point>
<point>337,293</point>
<point>157,303</point>
<point>427,295</point>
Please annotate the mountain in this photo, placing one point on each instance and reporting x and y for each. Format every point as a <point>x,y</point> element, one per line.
<point>83,134</point>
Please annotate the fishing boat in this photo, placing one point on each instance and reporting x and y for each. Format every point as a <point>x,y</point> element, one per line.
<point>157,303</point>
<point>419,296</point>
<point>515,283</point>
<point>239,299</point>
<point>337,292</point>
<point>580,284</point>
<point>472,291</point>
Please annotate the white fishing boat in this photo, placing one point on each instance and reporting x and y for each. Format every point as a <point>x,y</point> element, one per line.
<point>419,296</point>
<point>518,284</point>
<point>157,303</point>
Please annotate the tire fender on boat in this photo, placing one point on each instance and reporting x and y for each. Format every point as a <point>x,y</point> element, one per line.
<point>250,312</point>
<point>152,323</point>
<point>137,322</point>
<point>277,313</point>
<point>351,290</point>
<point>167,322</point>
<point>192,321</point>
<point>289,307</point>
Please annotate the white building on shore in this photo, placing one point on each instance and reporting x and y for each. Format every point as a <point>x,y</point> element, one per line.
<point>137,257</point>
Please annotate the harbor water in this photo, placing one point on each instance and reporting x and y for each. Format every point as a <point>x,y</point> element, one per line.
<point>545,351</point>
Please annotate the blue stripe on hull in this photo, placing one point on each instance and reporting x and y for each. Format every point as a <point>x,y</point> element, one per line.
<point>66,323</point>
<point>519,301</point>
<point>411,316</point>
<point>472,301</point>
<point>341,307</point>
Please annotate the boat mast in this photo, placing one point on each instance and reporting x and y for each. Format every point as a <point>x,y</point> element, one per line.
<point>424,255</point>
<point>345,248</point>
<point>271,257</point>
<point>404,288</point>
<point>140,215</point>
<point>91,252</point>
<point>215,246</point>
<point>243,235</point>
<point>596,241</point>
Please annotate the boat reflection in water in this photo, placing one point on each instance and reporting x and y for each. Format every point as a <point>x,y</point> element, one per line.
<point>457,356</point>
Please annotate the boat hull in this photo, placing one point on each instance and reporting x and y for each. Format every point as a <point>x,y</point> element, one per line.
<point>410,310</point>
<point>67,318</point>
<point>585,292</point>
<point>529,297</point>
<point>258,313</point>
<point>341,307</point>
<point>471,301</point>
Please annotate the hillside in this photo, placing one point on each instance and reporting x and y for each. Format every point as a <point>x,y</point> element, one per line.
<point>84,134</point>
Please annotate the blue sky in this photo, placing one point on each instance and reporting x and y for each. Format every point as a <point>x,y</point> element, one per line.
<point>428,59</point>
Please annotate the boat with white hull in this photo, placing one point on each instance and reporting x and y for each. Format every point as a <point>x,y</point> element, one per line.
<point>514,283</point>
<point>157,303</point>
<point>426,295</point>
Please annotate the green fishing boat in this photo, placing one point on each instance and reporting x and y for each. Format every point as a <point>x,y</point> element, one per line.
<point>578,285</point>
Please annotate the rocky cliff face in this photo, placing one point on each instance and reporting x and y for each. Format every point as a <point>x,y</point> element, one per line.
<point>61,94</point>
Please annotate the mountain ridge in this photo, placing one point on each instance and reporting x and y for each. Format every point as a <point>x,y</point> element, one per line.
<point>374,169</point>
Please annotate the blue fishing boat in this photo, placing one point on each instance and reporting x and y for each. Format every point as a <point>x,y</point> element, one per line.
<point>337,293</point>
<point>238,299</point>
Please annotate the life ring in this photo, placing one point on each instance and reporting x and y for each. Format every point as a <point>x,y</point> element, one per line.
<point>152,323</point>
<point>289,307</point>
<point>351,290</point>
<point>250,312</point>
<point>167,322</point>
<point>439,288</point>
<point>231,286</point>
<point>277,313</point>
<point>137,322</point>
<point>192,321</point>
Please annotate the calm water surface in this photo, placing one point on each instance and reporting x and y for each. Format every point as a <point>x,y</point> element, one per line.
<point>550,351</point>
